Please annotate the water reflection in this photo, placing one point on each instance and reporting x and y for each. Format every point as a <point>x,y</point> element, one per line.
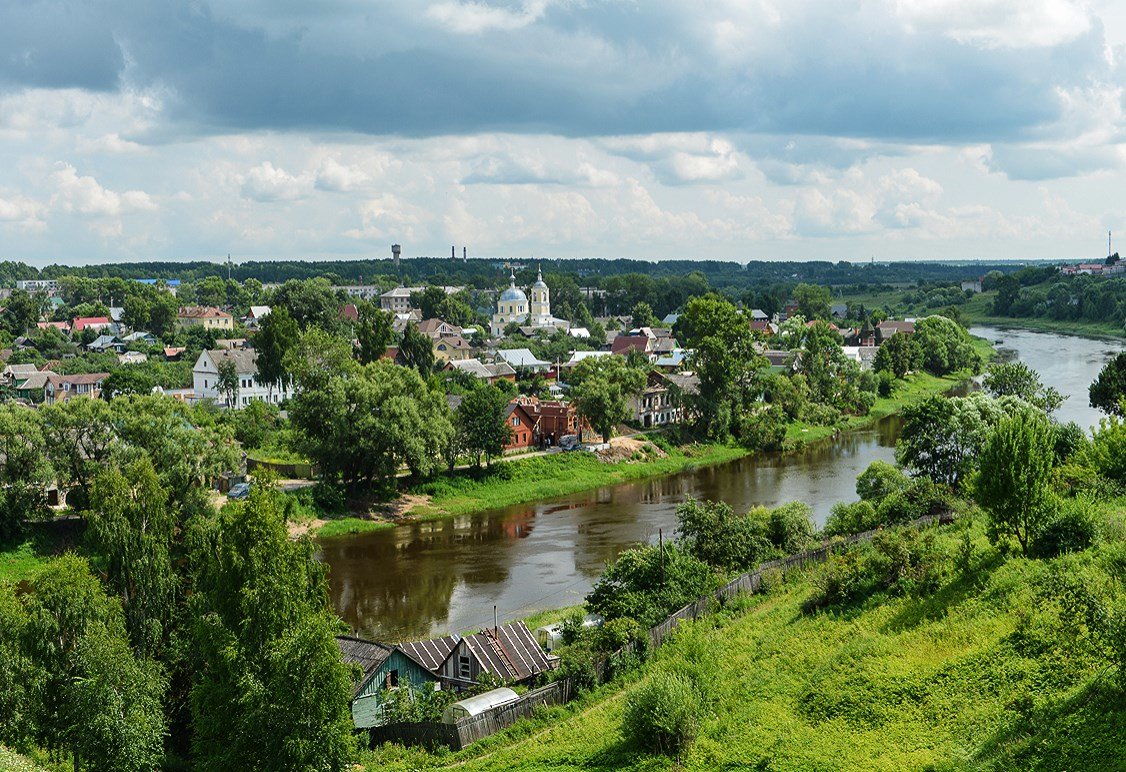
<point>428,578</point>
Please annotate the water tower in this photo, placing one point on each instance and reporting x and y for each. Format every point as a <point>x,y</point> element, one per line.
<point>396,250</point>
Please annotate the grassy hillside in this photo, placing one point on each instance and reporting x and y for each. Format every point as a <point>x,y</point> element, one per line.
<point>978,675</point>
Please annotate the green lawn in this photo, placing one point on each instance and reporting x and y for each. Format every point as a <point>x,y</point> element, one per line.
<point>960,680</point>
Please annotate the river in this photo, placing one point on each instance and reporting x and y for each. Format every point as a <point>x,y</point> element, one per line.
<point>417,580</point>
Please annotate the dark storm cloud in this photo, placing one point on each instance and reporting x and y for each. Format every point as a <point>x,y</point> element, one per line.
<point>573,70</point>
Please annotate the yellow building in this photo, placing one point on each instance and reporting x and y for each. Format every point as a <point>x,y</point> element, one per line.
<point>208,317</point>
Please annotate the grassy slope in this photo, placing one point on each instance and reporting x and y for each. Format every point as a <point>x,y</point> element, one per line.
<point>977,312</point>
<point>893,683</point>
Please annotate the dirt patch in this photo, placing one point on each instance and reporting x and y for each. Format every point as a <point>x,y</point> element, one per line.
<point>297,530</point>
<point>630,449</point>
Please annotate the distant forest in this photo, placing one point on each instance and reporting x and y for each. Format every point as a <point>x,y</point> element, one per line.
<point>486,273</point>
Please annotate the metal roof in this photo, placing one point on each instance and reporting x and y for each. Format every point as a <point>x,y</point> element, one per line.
<point>478,704</point>
<point>432,653</point>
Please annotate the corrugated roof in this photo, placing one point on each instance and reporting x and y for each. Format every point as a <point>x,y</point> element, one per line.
<point>484,648</point>
<point>432,653</point>
<point>522,651</point>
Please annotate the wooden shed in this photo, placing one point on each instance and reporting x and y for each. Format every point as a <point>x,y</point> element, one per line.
<point>385,668</point>
<point>509,652</point>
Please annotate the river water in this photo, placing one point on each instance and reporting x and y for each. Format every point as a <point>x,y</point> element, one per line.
<point>417,580</point>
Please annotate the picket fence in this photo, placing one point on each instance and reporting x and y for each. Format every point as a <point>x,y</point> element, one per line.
<point>469,730</point>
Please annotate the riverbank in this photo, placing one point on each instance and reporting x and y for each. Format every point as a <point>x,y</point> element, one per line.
<point>545,477</point>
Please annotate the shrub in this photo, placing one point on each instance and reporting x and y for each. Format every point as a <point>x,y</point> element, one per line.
<point>1075,527</point>
<point>1106,452</point>
<point>578,662</point>
<point>662,715</point>
<point>328,498</point>
<point>762,429</point>
<point>921,497</point>
<point>1068,439</point>
<point>713,533</point>
<point>845,577</point>
<point>879,480</point>
<point>614,634</point>
<point>634,585</point>
<point>845,518</point>
<point>909,560</point>
<point>790,527</point>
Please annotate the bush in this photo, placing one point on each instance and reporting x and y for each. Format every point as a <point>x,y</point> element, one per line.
<point>921,497</point>
<point>845,577</point>
<point>1075,527</point>
<point>662,715</point>
<point>578,662</point>
<point>790,527</point>
<point>909,561</point>
<point>879,480</point>
<point>763,429</point>
<point>846,519</point>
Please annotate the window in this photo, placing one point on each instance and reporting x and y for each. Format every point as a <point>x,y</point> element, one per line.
<point>463,667</point>
<point>515,421</point>
<point>393,679</point>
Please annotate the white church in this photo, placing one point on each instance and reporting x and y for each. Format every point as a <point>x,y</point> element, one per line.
<point>513,306</point>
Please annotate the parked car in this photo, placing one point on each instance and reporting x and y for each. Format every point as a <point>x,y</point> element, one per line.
<point>239,491</point>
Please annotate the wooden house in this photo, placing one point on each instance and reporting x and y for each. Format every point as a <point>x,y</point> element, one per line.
<point>383,670</point>
<point>509,653</point>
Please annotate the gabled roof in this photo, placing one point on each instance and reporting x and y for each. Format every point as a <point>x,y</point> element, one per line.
<point>82,322</point>
<point>431,653</point>
<point>104,341</point>
<point>78,379</point>
<point>521,357</point>
<point>245,359</point>
<point>510,652</point>
<point>201,312</point>
<point>257,312</point>
<point>623,344</point>
<point>369,655</point>
<point>34,381</point>
<point>471,366</point>
<point>452,342</point>
<point>138,335</point>
<point>437,326</point>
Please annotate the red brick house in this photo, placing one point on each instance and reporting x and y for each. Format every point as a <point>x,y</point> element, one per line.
<point>551,419</point>
<point>522,426</point>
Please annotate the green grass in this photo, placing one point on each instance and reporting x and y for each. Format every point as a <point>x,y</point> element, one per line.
<point>21,558</point>
<point>551,616</point>
<point>977,312</point>
<point>950,681</point>
<point>559,474</point>
<point>10,761</point>
<point>347,526</point>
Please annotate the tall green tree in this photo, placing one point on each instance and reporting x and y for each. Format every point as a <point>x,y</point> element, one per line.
<point>814,301</point>
<point>725,360</point>
<point>643,315</point>
<point>898,355</point>
<point>270,690</point>
<point>132,527</point>
<point>481,422</point>
<point>97,700</point>
<point>310,302</point>
<point>416,350</point>
<point>428,301</point>
<point>374,331</point>
<point>945,346</point>
<point>227,382</point>
<point>25,472</point>
<point>81,438</point>
<point>1016,379</point>
<point>363,426</point>
<point>601,390</point>
<point>276,337</point>
<point>1109,388</point>
<point>1014,482</point>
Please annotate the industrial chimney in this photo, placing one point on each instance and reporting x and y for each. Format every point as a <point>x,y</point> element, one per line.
<point>395,251</point>
<point>464,254</point>
<point>453,253</point>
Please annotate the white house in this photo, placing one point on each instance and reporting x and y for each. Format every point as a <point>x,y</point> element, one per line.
<point>205,378</point>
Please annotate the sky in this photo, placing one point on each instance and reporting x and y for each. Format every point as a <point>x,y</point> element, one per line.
<point>649,129</point>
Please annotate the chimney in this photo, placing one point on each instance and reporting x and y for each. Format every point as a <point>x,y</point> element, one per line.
<point>495,622</point>
<point>453,253</point>
<point>464,254</point>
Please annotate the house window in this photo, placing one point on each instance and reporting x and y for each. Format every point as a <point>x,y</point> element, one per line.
<point>463,666</point>
<point>515,421</point>
<point>393,679</point>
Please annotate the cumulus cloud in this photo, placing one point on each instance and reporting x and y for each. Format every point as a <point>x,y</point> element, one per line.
<point>84,195</point>
<point>267,182</point>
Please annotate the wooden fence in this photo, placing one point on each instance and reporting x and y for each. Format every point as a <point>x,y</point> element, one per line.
<point>469,730</point>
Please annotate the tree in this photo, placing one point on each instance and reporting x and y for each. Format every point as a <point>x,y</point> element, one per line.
<point>1108,390</point>
<point>416,350</point>
<point>814,301</point>
<point>21,312</point>
<point>318,357</point>
<point>713,533</point>
<point>725,360</point>
<point>361,427</point>
<point>1008,290</point>
<point>132,527</point>
<point>942,437</point>
<point>601,390</point>
<point>481,422</point>
<point>428,300</point>
<point>1014,484</point>
<point>643,315</point>
<point>25,472</point>
<point>277,336</point>
<point>374,331</point>
<point>97,700</point>
<point>648,583</point>
<point>898,355</point>
<point>270,690</point>
<point>227,382</point>
<point>80,439</point>
<point>311,303</point>
<point>944,346</point>
<point>1016,379</point>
